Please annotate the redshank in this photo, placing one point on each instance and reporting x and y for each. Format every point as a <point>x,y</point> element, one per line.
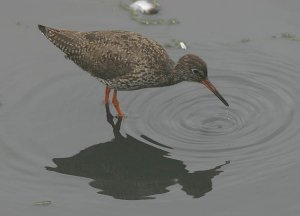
<point>125,60</point>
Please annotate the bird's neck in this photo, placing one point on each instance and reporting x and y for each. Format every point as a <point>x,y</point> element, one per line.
<point>175,75</point>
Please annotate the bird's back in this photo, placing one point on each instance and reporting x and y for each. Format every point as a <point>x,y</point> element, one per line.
<point>110,55</point>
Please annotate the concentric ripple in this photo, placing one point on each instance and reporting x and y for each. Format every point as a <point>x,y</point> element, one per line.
<point>259,128</point>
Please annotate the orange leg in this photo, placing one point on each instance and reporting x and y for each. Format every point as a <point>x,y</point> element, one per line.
<point>116,104</point>
<point>106,97</point>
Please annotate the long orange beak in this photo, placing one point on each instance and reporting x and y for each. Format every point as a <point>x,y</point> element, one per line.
<point>211,87</point>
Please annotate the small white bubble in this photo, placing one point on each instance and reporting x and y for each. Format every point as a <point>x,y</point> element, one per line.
<point>227,114</point>
<point>182,45</point>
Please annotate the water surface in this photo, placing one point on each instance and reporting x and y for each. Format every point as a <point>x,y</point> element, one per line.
<point>180,150</point>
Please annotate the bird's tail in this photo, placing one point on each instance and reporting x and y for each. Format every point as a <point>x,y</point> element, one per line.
<point>65,40</point>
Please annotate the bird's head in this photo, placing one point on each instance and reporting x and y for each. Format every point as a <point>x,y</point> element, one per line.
<point>192,68</point>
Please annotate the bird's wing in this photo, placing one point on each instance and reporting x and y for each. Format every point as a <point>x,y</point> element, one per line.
<point>108,54</point>
<point>111,54</point>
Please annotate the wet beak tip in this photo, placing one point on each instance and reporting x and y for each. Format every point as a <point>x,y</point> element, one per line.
<point>211,87</point>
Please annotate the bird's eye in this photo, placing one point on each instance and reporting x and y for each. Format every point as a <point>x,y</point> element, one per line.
<point>195,71</point>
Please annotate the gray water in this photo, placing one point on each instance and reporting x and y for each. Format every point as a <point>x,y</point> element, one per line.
<point>180,151</point>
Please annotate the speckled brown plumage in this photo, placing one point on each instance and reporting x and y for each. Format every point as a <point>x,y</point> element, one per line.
<point>126,60</point>
<point>121,59</point>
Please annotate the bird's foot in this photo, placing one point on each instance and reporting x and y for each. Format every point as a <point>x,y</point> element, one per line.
<point>105,102</point>
<point>124,116</point>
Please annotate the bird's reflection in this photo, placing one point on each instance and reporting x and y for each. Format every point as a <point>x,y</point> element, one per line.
<point>126,168</point>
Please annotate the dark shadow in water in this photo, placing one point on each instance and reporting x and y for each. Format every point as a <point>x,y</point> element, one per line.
<point>126,168</point>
